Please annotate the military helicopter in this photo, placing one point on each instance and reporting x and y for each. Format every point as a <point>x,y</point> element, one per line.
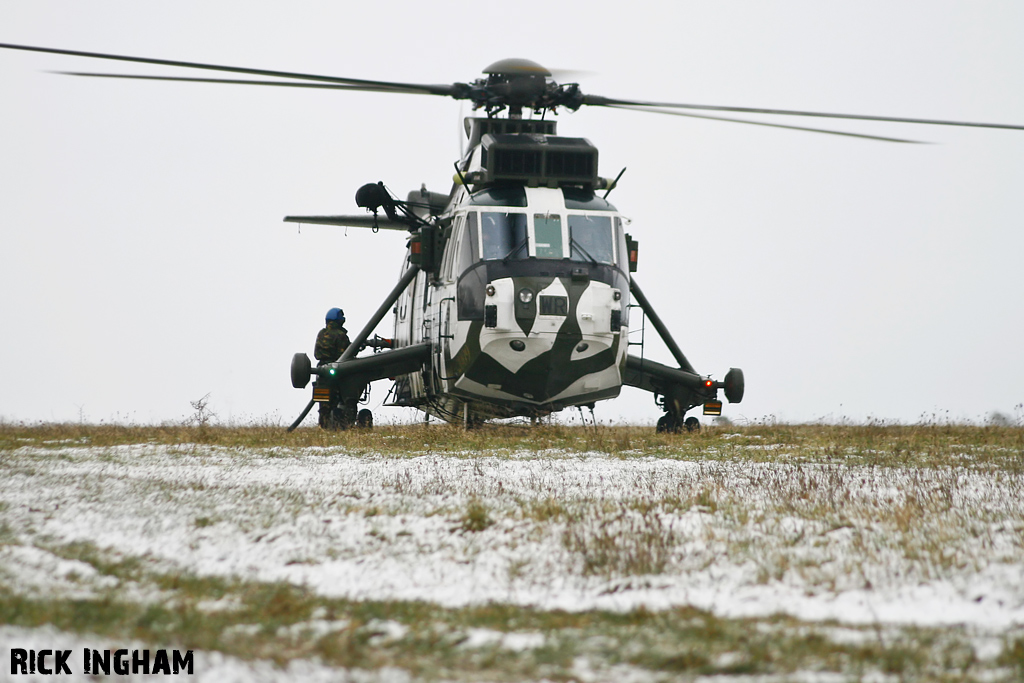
<point>517,285</point>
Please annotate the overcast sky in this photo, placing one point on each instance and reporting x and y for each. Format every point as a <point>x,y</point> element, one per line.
<point>144,264</point>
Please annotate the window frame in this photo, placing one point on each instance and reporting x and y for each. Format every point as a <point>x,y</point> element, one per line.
<point>508,212</point>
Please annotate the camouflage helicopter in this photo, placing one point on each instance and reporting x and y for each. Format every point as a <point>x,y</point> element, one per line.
<point>517,285</point>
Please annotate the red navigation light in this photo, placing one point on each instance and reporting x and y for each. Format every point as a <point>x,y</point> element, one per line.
<point>709,383</point>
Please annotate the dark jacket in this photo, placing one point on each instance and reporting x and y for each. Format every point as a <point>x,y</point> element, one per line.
<point>331,342</point>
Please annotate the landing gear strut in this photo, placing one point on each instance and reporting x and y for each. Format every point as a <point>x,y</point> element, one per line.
<point>340,415</point>
<point>353,374</point>
<point>679,388</point>
<point>668,423</point>
<point>346,414</point>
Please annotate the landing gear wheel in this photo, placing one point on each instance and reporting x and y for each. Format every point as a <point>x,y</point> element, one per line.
<point>734,385</point>
<point>301,370</point>
<point>692,424</point>
<point>667,424</point>
<point>341,416</point>
<point>335,420</point>
<point>364,420</point>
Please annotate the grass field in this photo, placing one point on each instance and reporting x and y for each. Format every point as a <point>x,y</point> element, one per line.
<point>774,552</point>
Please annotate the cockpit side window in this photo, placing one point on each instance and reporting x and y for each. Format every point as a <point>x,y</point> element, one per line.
<point>468,250</point>
<point>503,235</point>
<point>448,266</point>
<point>620,241</point>
<point>547,231</point>
<point>591,238</point>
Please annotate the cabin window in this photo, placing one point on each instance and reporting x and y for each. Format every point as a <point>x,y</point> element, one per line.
<point>591,239</point>
<point>547,235</point>
<point>503,235</point>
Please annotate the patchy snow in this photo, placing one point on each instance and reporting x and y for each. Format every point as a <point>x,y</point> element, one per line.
<point>314,628</point>
<point>854,544</point>
<point>384,631</point>
<point>484,637</point>
<point>36,571</point>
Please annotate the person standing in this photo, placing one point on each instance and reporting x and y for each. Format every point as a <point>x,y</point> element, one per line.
<point>331,342</point>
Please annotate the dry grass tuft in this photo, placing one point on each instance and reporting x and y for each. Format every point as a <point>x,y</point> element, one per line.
<point>625,543</point>
<point>476,517</point>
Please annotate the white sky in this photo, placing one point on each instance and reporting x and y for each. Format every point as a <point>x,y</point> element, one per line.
<point>144,264</point>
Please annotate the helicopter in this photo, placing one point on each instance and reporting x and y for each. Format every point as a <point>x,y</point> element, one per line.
<point>517,285</point>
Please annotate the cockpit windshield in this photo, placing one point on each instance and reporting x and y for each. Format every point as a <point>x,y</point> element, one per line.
<point>508,235</point>
<point>503,235</point>
<point>591,239</point>
<point>547,231</point>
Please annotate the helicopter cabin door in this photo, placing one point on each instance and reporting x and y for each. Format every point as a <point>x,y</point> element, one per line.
<point>446,321</point>
<point>408,329</point>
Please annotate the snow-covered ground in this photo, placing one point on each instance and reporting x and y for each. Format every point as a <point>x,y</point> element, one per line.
<point>553,530</point>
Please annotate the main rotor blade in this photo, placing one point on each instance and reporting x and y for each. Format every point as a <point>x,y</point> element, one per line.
<point>765,123</point>
<point>448,90</point>
<point>598,101</point>
<point>240,81</point>
<point>566,75</point>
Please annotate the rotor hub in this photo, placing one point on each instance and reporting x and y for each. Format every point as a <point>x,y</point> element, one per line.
<point>517,83</point>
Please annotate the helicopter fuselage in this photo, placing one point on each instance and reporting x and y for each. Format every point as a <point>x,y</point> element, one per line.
<point>528,312</point>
